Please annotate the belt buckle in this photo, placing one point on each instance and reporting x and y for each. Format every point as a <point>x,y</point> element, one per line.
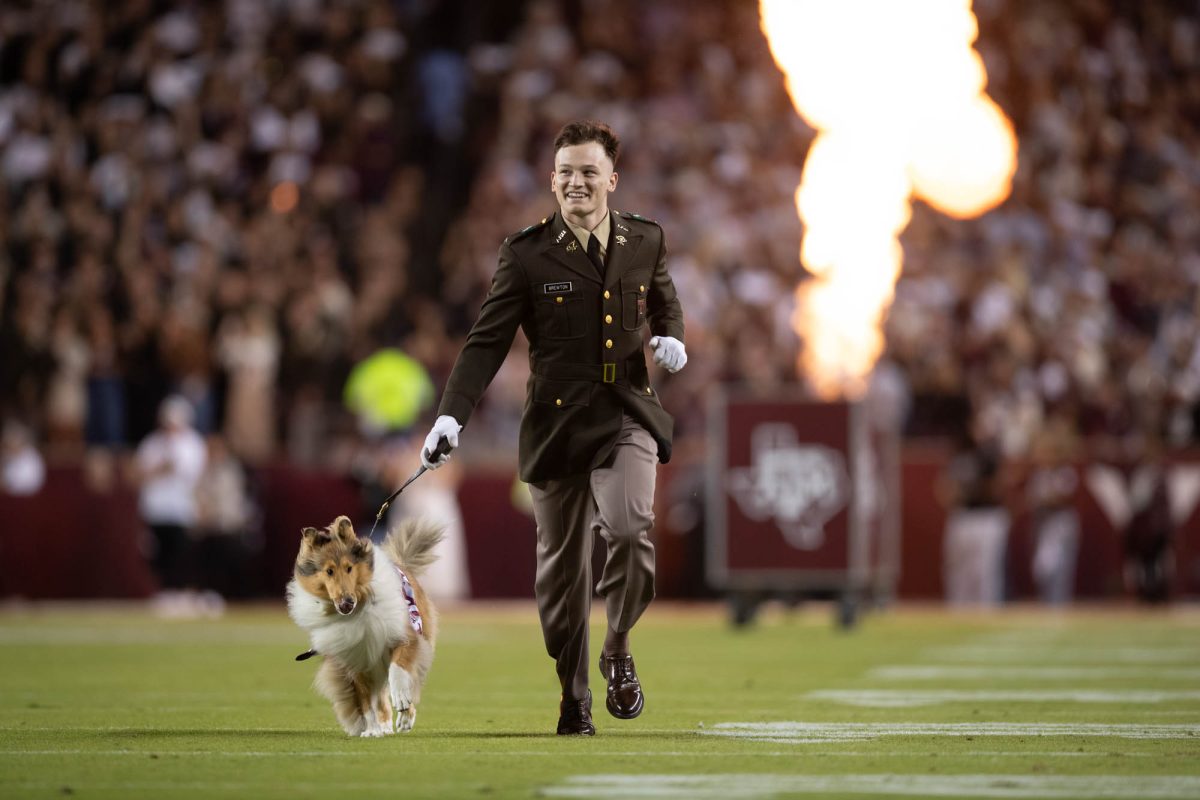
<point>610,373</point>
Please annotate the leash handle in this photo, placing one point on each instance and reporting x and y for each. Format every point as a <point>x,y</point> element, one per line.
<point>443,447</point>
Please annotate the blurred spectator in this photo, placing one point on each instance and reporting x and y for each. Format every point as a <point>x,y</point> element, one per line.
<point>66,391</point>
<point>22,470</point>
<point>977,523</point>
<point>168,467</point>
<point>224,516</point>
<point>433,496</point>
<point>248,348</point>
<point>1148,533</point>
<point>105,426</point>
<point>1050,494</point>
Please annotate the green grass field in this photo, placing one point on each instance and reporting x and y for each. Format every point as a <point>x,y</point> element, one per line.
<point>113,703</point>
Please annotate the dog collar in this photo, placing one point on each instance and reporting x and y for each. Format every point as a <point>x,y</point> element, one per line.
<point>414,613</point>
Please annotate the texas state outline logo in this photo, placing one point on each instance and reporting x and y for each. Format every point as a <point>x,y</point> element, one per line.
<point>798,486</point>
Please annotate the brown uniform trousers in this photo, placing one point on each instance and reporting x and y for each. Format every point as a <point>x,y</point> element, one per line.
<point>615,500</point>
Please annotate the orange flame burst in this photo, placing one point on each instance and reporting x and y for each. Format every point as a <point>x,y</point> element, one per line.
<point>896,94</point>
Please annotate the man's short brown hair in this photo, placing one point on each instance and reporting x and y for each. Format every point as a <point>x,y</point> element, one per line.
<point>589,131</point>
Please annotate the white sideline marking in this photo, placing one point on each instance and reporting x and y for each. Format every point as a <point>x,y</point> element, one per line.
<point>588,753</point>
<point>901,698</point>
<point>720,787</point>
<point>203,633</point>
<point>266,635</point>
<point>963,673</point>
<point>1068,654</point>
<point>815,732</point>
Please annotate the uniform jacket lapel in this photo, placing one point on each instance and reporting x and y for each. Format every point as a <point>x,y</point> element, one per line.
<point>566,250</point>
<point>622,248</point>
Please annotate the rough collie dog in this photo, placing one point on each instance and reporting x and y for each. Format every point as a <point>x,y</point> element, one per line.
<point>370,620</point>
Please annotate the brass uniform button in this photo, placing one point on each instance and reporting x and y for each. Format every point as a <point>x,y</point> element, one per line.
<point>608,344</point>
<point>648,390</point>
<point>558,299</point>
<point>558,402</point>
<point>608,318</point>
<point>607,294</point>
<point>641,288</point>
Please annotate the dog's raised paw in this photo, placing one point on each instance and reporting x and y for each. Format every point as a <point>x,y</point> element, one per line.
<point>400,685</point>
<point>406,719</point>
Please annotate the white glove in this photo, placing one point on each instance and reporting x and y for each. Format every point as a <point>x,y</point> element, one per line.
<point>668,353</point>
<point>444,427</point>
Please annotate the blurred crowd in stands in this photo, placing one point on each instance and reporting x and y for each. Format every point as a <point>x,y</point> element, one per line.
<point>225,199</point>
<point>233,201</point>
<point>239,201</point>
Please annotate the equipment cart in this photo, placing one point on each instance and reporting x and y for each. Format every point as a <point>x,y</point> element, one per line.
<point>803,503</point>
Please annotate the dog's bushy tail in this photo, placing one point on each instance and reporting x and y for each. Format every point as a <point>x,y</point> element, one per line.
<point>411,544</point>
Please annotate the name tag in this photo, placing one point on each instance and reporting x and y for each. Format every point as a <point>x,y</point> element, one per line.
<point>556,288</point>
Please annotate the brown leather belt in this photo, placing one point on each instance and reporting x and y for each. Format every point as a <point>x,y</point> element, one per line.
<point>609,372</point>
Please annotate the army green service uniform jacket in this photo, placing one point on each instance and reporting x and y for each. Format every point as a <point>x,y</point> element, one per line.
<point>586,353</point>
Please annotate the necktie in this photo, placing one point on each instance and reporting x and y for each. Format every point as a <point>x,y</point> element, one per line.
<point>593,251</point>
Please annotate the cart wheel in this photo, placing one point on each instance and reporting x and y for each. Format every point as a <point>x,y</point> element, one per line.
<point>743,607</point>
<point>847,611</point>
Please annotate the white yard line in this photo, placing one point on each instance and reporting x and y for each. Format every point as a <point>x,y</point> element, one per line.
<point>1066,654</point>
<point>946,672</point>
<point>903,698</point>
<point>721,787</point>
<point>590,753</point>
<point>267,635</point>
<point>808,732</point>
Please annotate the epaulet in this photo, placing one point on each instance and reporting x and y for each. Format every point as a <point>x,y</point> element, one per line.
<point>638,217</point>
<point>521,234</point>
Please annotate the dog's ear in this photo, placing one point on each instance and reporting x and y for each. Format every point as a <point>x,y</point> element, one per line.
<point>363,550</point>
<point>311,537</point>
<point>343,529</point>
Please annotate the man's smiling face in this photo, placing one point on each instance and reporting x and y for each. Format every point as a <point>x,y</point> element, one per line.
<point>583,177</point>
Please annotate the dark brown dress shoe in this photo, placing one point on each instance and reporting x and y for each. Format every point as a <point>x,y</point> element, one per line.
<point>625,700</point>
<point>575,717</point>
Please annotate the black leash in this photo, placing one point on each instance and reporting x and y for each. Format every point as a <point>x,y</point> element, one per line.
<point>442,449</point>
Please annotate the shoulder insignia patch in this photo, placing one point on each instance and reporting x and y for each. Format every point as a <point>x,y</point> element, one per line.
<point>638,217</point>
<point>526,231</point>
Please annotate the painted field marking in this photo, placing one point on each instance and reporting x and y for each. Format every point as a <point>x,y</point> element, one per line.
<point>1068,654</point>
<point>903,698</point>
<point>266,635</point>
<point>202,634</point>
<point>589,753</point>
<point>721,787</point>
<point>965,673</point>
<point>817,732</point>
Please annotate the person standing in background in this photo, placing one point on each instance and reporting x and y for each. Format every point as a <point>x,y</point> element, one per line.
<point>167,467</point>
<point>222,531</point>
<point>22,468</point>
<point>1050,493</point>
<point>977,522</point>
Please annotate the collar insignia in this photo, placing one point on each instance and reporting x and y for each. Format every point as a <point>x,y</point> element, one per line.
<point>620,240</point>
<point>573,246</point>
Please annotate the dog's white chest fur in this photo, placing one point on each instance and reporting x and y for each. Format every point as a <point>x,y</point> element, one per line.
<point>362,640</point>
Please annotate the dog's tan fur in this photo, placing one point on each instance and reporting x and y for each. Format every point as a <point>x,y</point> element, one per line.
<point>337,569</point>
